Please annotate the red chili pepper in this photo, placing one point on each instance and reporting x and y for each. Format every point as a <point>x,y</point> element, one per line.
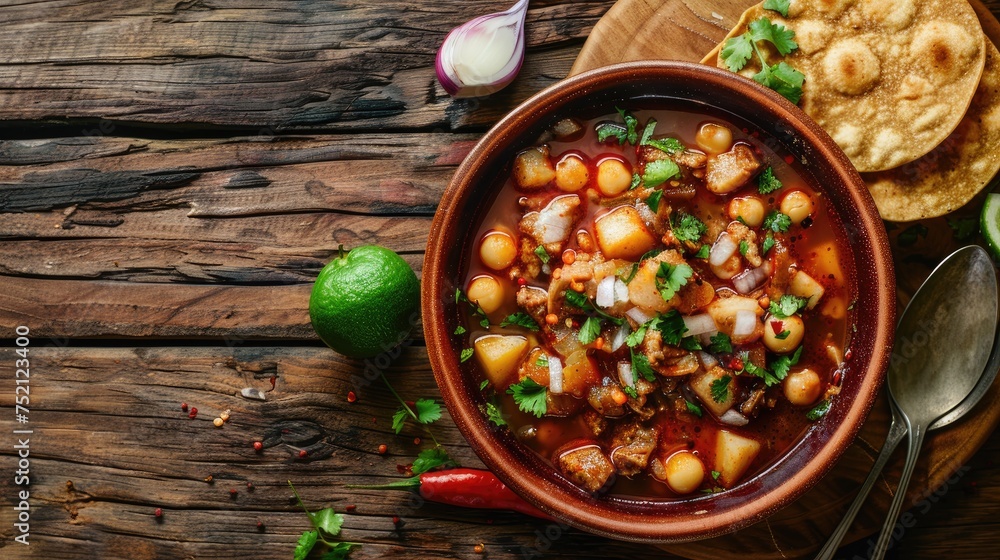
<point>471,488</point>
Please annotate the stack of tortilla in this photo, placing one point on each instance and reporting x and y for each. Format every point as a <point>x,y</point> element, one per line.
<point>909,89</point>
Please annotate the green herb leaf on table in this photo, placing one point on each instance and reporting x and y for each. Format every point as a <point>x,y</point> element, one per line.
<point>659,171</point>
<point>520,319</point>
<point>720,388</point>
<point>326,526</point>
<point>693,408</point>
<point>777,222</point>
<point>427,411</point>
<point>432,458</point>
<point>787,305</point>
<point>339,551</point>
<point>780,6</point>
<point>529,396</point>
<point>399,419</point>
<point>670,278</point>
<point>767,183</point>
<point>305,544</point>
<point>688,228</point>
<point>327,522</point>
<point>736,52</point>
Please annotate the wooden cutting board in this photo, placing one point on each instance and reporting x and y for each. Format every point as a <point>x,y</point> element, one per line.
<point>687,30</point>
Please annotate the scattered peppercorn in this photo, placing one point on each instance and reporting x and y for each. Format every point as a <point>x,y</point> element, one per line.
<point>260,525</point>
<point>158,512</point>
<point>258,446</point>
<point>193,413</point>
<point>218,422</point>
<point>233,493</point>
<point>303,454</point>
<point>350,508</point>
<point>479,548</point>
<point>396,520</point>
<point>351,396</point>
<point>416,441</point>
<point>383,449</point>
<point>184,407</point>
<point>250,486</point>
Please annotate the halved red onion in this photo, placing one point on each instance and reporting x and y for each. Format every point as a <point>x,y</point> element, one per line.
<point>733,418</point>
<point>638,315</point>
<point>698,324</point>
<point>749,280</point>
<point>723,248</point>
<point>482,55</point>
<point>555,375</point>
<point>746,322</point>
<point>625,374</point>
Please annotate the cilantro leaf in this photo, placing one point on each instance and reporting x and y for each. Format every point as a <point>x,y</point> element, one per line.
<point>590,330</point>
<point>703,253</point>
<point>327,521</point>
<point>399,418</point>
<point>529,396</point>
<point>787,305</point>
<point>668,145</point>
<point>542,254</point>
<point>483,384</point>
<point>305,544</point>
<point>778,35</point>
<point>780,6</point>
<point>670,278</point>
<point>580,301</point>
<point>716,475</point>
<point>494,415</point>
<point>631,274</point>
<point>460,330</point>
<point>777,222</point>
<point>459,296</point>
<point>635,338</point>
<point>647,132</point>
<point>720,388</point>
<point>427,411</point>
<point>542,361</point>
<point>744,247</point>
<point>910,235</point>
<point>819,410</point>
<point>631,392</point>
<point>782,364</point>
<point>690,344</point>
<point>688,227</point>
<point>671,326</point>
<point>339,551</point>
<point>783,79</point>
<point>737,51</point>
<point>721,343</point>
<point>768,377</point>
<point>636,179</point>
<point>964,228</point>
<point>693,408</point>
<point>432,458</point>
<point>653,201</point>
<point>631,123</point>
<point>768,243</point>
<point>466,354</point>
<point>767,183</point>
<point>640,365</point>
<point>659,171</point>
<point>783,334</point>
<point>520,319</point>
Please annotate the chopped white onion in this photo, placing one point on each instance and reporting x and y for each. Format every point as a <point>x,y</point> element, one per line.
<point>707,360</point>
<point>698,324</point>
<point>483,55</point>
<point>555,375</point>
<point>625,374</point>
<point>638,315</point>
<point>621,290</point>
<point>605,292</point>
<point>723,248</point>
<point>749,280</point>
<point>746,322</point>
<point>733,418</point>
<point>619,339</point>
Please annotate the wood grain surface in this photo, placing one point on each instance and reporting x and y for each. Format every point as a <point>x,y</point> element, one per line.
<point>173,175</point>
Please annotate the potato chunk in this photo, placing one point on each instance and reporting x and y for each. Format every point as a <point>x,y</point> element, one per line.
<point>805,286</point>
<point>701,384</point>
<point>733,455</point>
<point>621,234</point>
<point>500,356</point>
<point>533,168</point>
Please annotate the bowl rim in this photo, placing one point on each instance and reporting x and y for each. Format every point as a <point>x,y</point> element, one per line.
<point>716,515</point>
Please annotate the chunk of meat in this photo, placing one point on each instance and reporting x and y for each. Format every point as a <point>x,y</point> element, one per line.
<point>535,302</point>
<point>602,399</point>
<point>640,404</point>
<point>561,405</point>
<point>581,272</point>
<point>743,236</point>
<point>692,159</point>
<point>584,464</point>
<point>659,353</point>
<point>631,445</point>
<point>782,263</point>
<point>731,170</point>
<point>533,169</point>
<point>595,422</point>
<point>551,226</point>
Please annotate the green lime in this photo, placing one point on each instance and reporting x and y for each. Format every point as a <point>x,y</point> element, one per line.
<point>365,302</point>
<point>989,223</point>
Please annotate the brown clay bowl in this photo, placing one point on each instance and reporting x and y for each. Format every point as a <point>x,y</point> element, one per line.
<point>451,242</point>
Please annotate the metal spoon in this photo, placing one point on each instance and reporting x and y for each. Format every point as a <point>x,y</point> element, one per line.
<point>897,429</point>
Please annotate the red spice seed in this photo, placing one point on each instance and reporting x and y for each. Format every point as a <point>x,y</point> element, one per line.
<point>416,441</point>
<point>522,281</point>
<point>395,520</point>
<point>789,159</point>
<point>383,449</point>
<point>350,507</point>
<point>303,454</point>
<point>274,380</point>
<point>250,486</point>
<point>260,525</point>
<point>258,446</point>
<point>233,493</point>
<point>193,413</point>
<point>158,512</point>
<point>351,397</point>
<point>184,407</point>
<point>479,548</point>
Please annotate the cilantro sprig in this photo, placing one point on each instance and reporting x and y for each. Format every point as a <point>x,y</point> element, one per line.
<point>687,227</point>
<point>779,368</point>
<point>520,319</point>
<point>591,327</point>
<point>780,77</point>
<point>767,183</point>
<point>720,388</point>
<point>529,396</point>
<point>326,525</point>
<point>670,279</point>
<point>787,305</point>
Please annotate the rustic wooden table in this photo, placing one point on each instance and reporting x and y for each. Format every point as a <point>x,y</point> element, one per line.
<point>173,175</point>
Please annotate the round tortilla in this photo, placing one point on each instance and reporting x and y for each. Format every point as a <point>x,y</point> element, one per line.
<point>888,79</point>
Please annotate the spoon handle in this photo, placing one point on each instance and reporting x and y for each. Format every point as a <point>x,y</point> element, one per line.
<point>917,433</point>
<point>896,432</point>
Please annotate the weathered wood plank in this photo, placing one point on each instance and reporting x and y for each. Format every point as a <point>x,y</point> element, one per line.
<point>249,64</point>
<point>109,421</point>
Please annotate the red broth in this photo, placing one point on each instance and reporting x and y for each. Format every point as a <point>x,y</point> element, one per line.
<point>606,430</point>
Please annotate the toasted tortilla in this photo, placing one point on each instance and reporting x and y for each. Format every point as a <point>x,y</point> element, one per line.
<point>888,79</point>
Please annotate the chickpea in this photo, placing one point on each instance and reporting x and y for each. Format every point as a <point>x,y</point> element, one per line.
<point>798,206</point>
<point>802,387</point>
<point>685,472</point>
<point>714,138</point>
<point>487,292</point>
<point>613,177</point>
<point>571,173</point>
<point>773,329</point>
<point>498,250</point>
<point>748,208</point>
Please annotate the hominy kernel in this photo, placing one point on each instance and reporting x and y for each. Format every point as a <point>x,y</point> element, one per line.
<point>218,422</point>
